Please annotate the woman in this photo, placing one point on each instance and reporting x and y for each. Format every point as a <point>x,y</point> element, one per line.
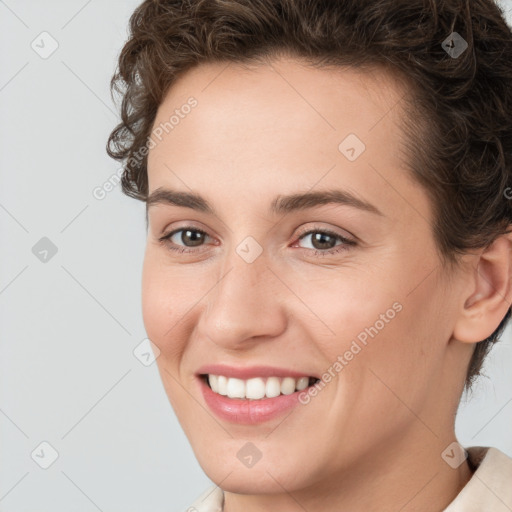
<point>328,257</point>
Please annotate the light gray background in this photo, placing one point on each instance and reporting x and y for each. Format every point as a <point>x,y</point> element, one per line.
<point>69,326</point>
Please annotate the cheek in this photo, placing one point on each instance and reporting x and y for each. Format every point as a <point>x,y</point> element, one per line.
<point>346,307</point>
<point>166,299</point>
<point>156,300</point>
<point>399,349</point>
<point>382,328</point>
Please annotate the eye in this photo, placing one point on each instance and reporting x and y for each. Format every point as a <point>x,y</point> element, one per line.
<point>184,238</point>
<point>324,241</point>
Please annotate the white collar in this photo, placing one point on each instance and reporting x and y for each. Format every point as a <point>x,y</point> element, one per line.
<point>490,487</point>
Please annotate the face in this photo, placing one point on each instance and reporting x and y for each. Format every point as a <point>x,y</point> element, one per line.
<point>309,252</point>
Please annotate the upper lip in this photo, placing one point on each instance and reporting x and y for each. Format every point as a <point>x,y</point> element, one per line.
<point>250,372</point>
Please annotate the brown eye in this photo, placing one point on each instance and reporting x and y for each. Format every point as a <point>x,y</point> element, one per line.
<point>324,242</point>
<point>191,238</point>
<point>185,237</point>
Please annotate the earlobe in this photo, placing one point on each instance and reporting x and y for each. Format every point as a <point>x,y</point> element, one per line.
<point>490,298</point>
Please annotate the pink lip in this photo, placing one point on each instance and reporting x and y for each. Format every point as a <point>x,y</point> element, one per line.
<point>250,371</point>
<point>244,411</point>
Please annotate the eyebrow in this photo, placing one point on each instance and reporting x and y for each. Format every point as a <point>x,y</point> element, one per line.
<point>280,205</point>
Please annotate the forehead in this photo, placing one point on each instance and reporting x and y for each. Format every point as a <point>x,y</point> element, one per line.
<point>283,125</point>
<point>283,91</point>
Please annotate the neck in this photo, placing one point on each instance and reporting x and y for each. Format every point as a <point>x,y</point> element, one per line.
<point>409,475</point>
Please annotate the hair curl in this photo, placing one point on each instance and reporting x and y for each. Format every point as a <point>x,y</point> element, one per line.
<point>459,109</point>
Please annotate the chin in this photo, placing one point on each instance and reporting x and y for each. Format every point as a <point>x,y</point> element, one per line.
<point>264,477</point>
<point>247,482</point>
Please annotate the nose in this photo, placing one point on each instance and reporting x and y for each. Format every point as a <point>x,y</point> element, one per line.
<point>246,305</point>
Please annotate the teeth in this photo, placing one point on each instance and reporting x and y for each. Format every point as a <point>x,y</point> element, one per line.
<point>272,387</point>
<point>302,383</point>
<point>256,388</point>
<point>222,385</point>
<point>214,382</point>
<point>236,388</point>
<point>288,386</point>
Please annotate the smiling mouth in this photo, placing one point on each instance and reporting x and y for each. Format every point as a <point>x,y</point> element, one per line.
<point>257,388</point>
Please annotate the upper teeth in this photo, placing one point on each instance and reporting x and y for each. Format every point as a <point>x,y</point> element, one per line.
<point>257,387</point>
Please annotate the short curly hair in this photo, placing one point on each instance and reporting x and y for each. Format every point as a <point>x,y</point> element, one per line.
<point>459,104</point>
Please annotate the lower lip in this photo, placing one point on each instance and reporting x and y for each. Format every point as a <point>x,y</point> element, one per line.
<point>248,412</point>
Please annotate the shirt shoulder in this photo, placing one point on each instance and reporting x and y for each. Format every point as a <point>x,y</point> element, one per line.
<point>490,487</point>
<point>210,500</point>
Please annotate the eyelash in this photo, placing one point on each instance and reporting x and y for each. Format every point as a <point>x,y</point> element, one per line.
<point>343,246</point>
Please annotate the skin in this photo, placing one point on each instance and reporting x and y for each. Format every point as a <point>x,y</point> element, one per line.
<point>372,439</point>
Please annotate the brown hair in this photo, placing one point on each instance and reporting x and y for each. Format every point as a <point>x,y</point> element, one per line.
<point>459,106</point>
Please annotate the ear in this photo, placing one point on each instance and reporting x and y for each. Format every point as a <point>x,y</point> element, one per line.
<point>490,297</point>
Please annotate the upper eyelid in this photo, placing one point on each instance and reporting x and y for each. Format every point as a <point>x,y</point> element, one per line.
<point>184,228</point>
<point>347,237</point>
<point>329,231</point>
<point>306,231</point>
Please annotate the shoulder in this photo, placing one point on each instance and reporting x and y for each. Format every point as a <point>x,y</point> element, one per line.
<point>210,500</point>
<point>490,486</point>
